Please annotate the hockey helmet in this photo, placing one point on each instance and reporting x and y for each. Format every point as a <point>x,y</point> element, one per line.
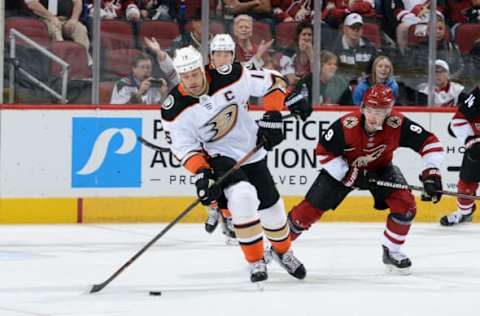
<point>222,42</point>
<point>379,96</point>
<point>187,59</point>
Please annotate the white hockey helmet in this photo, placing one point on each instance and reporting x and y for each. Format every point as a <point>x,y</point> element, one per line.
<point>187,59</point>
<point>222,42</point>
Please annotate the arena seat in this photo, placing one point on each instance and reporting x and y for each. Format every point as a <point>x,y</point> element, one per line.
<point>164,31</point>
<point>285,32</point>
<point>216,27</point>
<point>372,32</point>
<point>74,54</point>
<point>465,35</point>
<point>116,34</point>
<point>118,62</point>
<point>31,27</point>
<point>261,31</point>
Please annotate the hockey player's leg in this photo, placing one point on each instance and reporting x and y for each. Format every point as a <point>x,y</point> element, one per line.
<point>465,207</point>
<point>403,210</point>
<point>275,226</point>
<point>326,193</point>
<point>301,217</point>
<point>243,204</point>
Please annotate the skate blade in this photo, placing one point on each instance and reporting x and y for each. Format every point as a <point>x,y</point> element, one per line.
<point>231,241</point>
<point>397,271</point>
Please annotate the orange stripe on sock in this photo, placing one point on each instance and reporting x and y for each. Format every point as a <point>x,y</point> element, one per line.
<point>254,251</point>
<point>226,212</point>
<point>281,246</point>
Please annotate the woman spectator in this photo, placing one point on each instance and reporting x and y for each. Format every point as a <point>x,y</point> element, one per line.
<point>247,51</point>
<point>334,88</point>
<point>299,64</point>
<point>381,72</point>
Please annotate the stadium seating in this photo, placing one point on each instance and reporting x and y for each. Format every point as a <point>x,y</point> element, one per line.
<point>466,35</point>
<point>164,31</point>
<point>74,54</point>
<point>285,32</point>
<point>116,34</point>
<point>215,27</point>
<point>372,32</point>
<point>118,62</point>
<point>31,27</point>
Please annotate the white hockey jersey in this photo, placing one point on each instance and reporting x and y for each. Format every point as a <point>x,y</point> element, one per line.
<point>218,122</point>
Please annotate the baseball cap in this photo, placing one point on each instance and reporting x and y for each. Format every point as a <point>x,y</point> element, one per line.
<point>353,18</point>
<point>443,64</point>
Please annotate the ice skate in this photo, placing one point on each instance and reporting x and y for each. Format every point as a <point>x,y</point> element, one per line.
<point>287,261</point>
<point>212,219</point>
<point>396,262</point>
<point>229,232</point>
<point>457,218</point>
<point>258,271</point>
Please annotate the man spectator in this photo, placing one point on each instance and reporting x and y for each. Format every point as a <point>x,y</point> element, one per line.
<point>194,37</point>
<point>447,93</point>
<point>353,50</point>
<point>62,20</point>
<point>139,87</point>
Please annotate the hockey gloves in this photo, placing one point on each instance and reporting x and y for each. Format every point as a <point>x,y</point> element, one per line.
<point>207,192</point>
<point>472,147</point>
<point>357,178</point>
<point>432,183</point>
<point>298,106</point>
<point>270,130</point>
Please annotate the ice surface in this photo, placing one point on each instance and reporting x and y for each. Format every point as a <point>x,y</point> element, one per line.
<point>44,270</point>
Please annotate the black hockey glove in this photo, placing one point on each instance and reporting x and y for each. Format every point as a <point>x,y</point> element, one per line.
<point>357,178</point>
<point>297,105</point>
<point>472,147</point>
<point>432,183</point>
<point>206,191</point>
<point>270,130</point>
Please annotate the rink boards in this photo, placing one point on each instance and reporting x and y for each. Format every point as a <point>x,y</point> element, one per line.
<point>83,164</point>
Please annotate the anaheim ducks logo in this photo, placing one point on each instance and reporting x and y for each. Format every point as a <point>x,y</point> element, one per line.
<point>350,122</point>
<point>278,83</point>
<point>394,121</point>
<point>372,154</point>
<point>168,103</point>
<point>225,69</point>
<point>221,124</point>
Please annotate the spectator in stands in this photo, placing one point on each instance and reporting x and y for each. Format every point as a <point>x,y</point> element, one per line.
<point>140,87</point>
<point>446,50</point>
<point>334,88</point>
<point>463,11</point>
<point>336,11</point>
<point>293,10</point>
<point>447,92</point>
<point>247,50</point>
<point>136,10</point>
<point>353,50</point>
<point>194,37</point>
<point>299,65</point>
<point>472,15</point>
<point>260,10</point>
<point>381,71</point>
<point>64,23</point>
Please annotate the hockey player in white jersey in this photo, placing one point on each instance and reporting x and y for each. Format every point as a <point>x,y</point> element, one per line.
<point>207,124</point>
<point>222,52</point>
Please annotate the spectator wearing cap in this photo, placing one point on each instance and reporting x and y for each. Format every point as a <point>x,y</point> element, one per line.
<point>62,20</point>
<point>193,38</point>
<point>447,92</point>
<point>381,72</point>
<point>136,10</point>
<point>353,50</point>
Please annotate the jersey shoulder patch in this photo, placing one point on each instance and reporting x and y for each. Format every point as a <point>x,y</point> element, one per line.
<point>175,103</point>
<point>224,76</point>
<point>394,121</point>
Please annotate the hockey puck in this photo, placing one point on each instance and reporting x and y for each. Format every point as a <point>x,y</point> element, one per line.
<point>155,293</point>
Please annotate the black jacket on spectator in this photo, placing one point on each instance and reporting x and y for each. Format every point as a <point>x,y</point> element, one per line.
<point>352,62</point>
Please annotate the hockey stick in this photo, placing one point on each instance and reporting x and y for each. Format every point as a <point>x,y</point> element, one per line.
<point>400,186</point>
<point>150,145</point>
<point>98,287</point>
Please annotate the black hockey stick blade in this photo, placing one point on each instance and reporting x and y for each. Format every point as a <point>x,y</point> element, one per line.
<point>150,145</point>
